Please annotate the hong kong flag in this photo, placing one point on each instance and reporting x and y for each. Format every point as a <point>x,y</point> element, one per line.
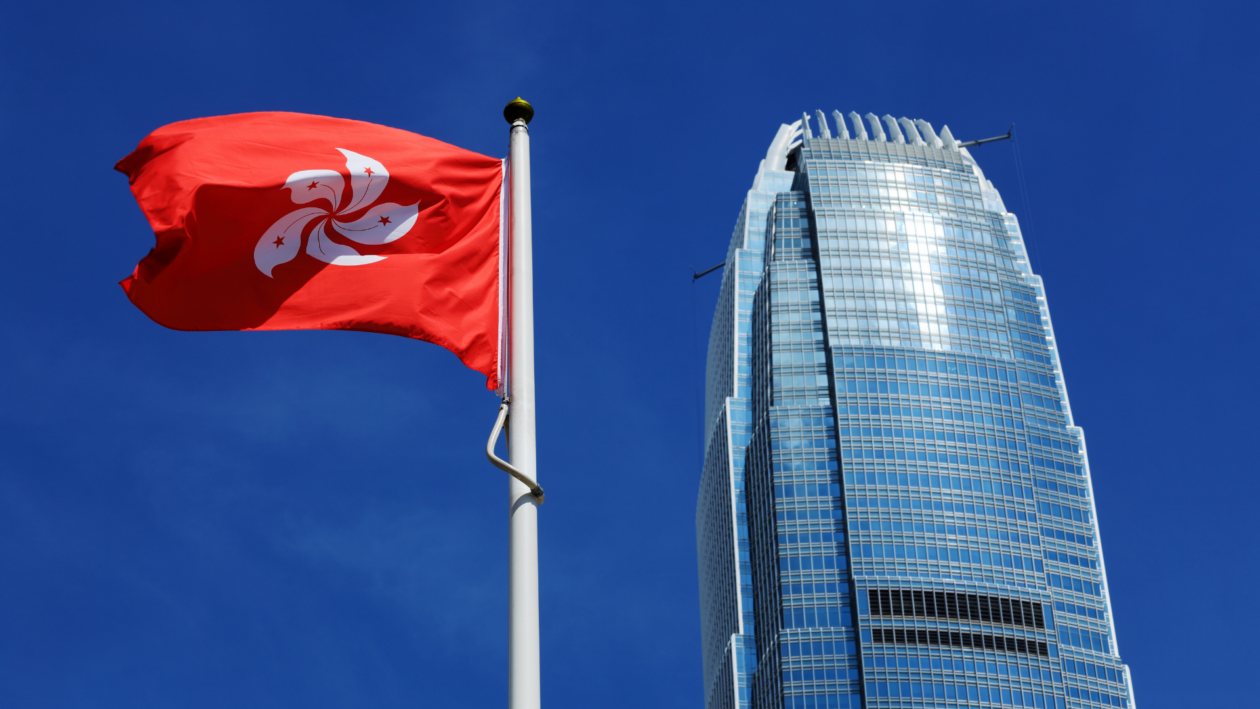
<point>285,221</point>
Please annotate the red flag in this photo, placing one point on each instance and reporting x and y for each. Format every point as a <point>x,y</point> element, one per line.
<point>286,221</point>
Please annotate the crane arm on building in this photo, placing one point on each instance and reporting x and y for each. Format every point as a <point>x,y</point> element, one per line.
<point>982,141</point>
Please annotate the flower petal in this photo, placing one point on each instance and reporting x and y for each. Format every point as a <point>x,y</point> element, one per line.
<point>367,180</point>
<point>328,251</point>
<point>310,185</point>
<point>280,243</point>
<point>381,225</point>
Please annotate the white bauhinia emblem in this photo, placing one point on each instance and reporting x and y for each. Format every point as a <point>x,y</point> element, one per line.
<point>380,224</point>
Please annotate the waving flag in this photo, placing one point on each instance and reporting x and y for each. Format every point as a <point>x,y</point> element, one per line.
<point>286,221</point>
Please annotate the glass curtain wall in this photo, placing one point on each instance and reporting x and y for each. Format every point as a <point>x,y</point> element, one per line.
<point>726,595</point>
<point>919,527</point>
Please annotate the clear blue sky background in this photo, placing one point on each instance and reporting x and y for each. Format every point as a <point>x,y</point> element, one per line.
<point>307,520</point>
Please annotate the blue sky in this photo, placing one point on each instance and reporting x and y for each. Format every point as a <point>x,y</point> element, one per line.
<point>306,519</point>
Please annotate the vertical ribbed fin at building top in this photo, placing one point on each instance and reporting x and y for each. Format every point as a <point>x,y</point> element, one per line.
<point>912,133</point>
<point>823,129</point>
<point>929,135</point>
<point>877,130</point>
<point>859,130</point>
<point>894,133</point>
<point>841,130</point>
<point>776,156</point>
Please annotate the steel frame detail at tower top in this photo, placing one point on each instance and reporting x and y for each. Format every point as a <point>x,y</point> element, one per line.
<point>907,513</point>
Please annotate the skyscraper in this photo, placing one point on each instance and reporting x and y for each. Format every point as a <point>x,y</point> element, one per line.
<point>895,508</point>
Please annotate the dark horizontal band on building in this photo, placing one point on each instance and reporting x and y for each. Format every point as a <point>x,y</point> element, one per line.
<point>955,606</point>
<point>1000,643</point>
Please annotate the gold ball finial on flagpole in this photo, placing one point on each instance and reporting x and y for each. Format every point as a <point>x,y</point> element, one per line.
<point>518,108</point>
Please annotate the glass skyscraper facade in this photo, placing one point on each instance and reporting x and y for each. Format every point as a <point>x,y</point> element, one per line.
<point>895,508</point>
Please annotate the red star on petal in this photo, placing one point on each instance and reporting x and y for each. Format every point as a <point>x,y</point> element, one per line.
<point>368,170</point>
<point>279,241</point>
<point>311,186</point>
<point>384,220</point>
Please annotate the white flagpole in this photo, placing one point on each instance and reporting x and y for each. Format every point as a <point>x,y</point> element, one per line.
<point>524,685</point>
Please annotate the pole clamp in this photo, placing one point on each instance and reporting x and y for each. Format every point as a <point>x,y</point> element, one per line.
<point>534,488</point>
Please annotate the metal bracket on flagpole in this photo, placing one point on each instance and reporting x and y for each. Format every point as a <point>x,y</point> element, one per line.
<point>503,465</point>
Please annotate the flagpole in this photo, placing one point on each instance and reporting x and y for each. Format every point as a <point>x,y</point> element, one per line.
<point>524,685</point>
